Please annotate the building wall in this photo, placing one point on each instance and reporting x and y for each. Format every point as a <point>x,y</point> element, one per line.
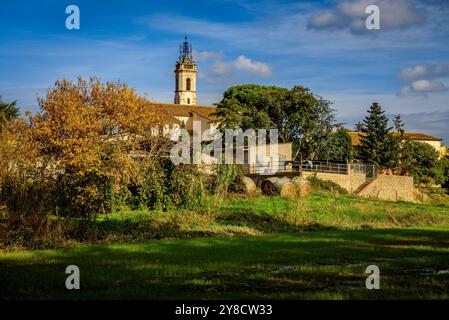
<point>270,159</point>
<point>444,151</point>
<point>202,122</point>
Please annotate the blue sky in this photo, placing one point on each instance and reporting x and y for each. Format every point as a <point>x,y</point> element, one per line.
<point>318,44</point>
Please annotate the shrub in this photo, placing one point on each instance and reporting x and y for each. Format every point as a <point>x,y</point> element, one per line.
<point>326,185</point>
<point>152,191</point>
<point>426,181</point>
<point>186,186</point>
<point>228,178</point>
<point>81,195</point>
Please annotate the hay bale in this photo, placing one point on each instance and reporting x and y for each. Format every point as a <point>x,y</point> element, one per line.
<point>250,185</point>
<point>303,186</point>
<point>268,186</point>
<point>285,189</point>
<point>278,186</point>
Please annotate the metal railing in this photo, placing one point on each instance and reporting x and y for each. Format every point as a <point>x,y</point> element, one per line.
<point>324,167</point>
<point>370,170</point>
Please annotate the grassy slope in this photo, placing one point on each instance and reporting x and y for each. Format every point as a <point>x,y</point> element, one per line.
<point>262,215</point>
<point>281,261</point>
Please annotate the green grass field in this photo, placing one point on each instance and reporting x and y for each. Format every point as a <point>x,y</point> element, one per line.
<point>267,248</point>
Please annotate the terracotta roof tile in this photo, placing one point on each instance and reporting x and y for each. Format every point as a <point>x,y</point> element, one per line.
<point>184,110</point>
<point>416,136</point>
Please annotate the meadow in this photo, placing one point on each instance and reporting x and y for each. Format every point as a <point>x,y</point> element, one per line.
<point>256,248</point>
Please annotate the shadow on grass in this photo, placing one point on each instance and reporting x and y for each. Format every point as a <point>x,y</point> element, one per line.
<point>266,222</point>
<point>327,264</point>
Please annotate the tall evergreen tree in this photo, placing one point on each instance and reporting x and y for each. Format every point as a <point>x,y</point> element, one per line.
<point>8,111</point>
<point>399,125</point>
<point>359,127</point>
<point>377,143</point>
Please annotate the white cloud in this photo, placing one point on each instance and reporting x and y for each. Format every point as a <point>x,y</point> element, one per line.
<point>207,55</point>
<point>256,67</point>
<point>425,72</point>
<point>416,72</point>
<point>394,14</point>
<point>421,79</point>
<point>428,86</point>
<point>422,88</point>
<point>221,68</point>
<point>326,20</point>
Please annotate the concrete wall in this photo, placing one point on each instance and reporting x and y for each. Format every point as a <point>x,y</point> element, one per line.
<point>394,188</point>
<point>349,182</point>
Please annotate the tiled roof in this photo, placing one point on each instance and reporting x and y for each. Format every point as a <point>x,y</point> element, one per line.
<point>415,136</point>
<point>420,137</point>
<point>355,137</point>
<point>184,110</point>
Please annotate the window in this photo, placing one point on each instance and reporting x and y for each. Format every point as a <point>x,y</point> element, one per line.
<point>188,100</point>
<point>188,84</point>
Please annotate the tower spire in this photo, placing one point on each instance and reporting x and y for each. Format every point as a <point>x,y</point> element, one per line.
<point>186,48</point>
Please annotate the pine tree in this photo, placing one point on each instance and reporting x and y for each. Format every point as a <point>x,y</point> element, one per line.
<point>399,125</point>
<point>377,143</point>
<point>8,111</point>
<point>359,127</point>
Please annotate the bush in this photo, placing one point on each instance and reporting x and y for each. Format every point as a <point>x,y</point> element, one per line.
<point>228,178</point>
<point>152,192</point>
<point>81,195</point>
<point>326,185</point>
<point>426,181</point>
<point>186,186</point>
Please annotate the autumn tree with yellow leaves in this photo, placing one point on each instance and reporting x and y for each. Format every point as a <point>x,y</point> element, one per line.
<point>90,142</point>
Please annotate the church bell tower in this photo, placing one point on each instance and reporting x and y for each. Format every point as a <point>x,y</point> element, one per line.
<point>185,90</point>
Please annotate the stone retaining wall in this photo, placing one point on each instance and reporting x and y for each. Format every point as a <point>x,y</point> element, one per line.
<point>349,182</point>
<point>394,188</point>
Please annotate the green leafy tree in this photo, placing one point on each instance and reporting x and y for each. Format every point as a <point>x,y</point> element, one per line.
<point>8,111</point>
<point>243,107</point>
<point>378,145</point>
<point>443,172</point>
<point>339,147</point>
<point>301,117</point>
<point>420,160</point>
